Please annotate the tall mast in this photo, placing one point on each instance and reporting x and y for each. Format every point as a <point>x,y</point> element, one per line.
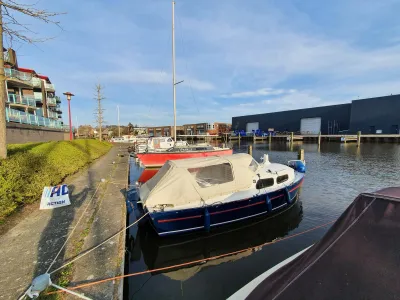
<point>173,66</point>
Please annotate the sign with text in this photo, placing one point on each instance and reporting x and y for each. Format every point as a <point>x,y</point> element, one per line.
<point>55,196</point>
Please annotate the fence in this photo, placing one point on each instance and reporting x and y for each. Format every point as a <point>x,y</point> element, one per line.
<point>18,74</point>
<point>24,100</point>
<point>51,101</point>
<point>17,116</point>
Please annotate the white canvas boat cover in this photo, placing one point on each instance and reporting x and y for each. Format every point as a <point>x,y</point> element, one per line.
<point>191,181</point>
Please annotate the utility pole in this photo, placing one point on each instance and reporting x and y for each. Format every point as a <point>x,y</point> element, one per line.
<point>99,111</point>
<point>119,127</point>
<point>3,96</point>
<point>77,128</point>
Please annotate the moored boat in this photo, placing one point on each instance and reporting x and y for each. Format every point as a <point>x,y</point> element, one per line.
<point>202,193</point>
<point>159,158</point>
<point>356,259</point>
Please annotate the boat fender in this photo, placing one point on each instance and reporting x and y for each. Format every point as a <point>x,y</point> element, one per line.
<point>287,194</point>
<point>269,204</point>
<point>207,222</point>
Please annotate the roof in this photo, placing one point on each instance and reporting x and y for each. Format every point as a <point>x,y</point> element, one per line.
<point>194,180</point>
<point>26,70</point>
<point>358,258</point>
<point>43,77</point>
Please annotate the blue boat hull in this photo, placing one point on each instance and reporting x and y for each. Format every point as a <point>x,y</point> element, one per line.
<point>205,218</point>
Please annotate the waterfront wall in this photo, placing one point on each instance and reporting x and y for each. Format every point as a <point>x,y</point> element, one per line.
<point>23,133</point>
<point>381,113</point>
<point>290,120</point>
<point>370,116</point>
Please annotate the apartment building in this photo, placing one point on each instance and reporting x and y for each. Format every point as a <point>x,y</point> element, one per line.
<point>164,130</point>
<point>195,129</point>
<point>31,97</point>
<point>218,128</point>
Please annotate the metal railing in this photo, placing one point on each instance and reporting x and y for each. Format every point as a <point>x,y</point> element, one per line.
<point>66,128</point>
<point>36,82</point>
<point>24,100</point>
<point>52,114</point>
<point>37,96</point>
<point>7,57</point>
<point>50,86</point>
<point>51,101</point>
<point>13,115</point>
<point>18,74</point>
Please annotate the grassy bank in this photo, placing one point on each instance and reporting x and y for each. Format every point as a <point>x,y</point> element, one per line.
<point>32,166</point>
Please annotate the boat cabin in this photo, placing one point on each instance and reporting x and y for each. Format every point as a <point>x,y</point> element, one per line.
<point>199,181</point>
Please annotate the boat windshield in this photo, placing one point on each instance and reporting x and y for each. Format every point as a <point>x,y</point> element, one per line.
<point>253,165</point>
<point>212,175</point>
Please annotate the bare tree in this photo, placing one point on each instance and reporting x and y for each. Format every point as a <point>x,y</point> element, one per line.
<point>99,111</point>
<point>12,29</point>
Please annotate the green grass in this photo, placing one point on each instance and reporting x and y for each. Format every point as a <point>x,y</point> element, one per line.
<point>32,166</point>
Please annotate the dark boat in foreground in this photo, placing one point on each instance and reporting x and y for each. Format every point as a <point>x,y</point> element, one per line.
<point>358,258</point>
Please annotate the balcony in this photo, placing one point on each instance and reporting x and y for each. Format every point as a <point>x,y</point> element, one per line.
<point>13,115</point>
<point>50,87</point>
<point>24,100</point>
<point>36,82</point>
<point>52,114</point>
<point>51,101</point>
<point>18,78</point>
<point>58,99</point>
<point>37,96</point>
<point>58,109</point>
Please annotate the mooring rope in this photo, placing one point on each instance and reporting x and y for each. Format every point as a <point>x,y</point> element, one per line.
<point>76,225</point>
<point>192,262</point>
<point>102,243</point>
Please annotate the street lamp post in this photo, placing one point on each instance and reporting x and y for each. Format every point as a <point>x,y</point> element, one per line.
<point>69,95</point>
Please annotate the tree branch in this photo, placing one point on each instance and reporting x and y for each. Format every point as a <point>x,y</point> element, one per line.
<point>29,10</point>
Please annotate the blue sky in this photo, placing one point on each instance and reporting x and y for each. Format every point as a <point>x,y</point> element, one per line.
<point>235,57</point>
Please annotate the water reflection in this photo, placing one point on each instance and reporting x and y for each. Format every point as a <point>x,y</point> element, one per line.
<point>336,174</point>
<point>163,252</point>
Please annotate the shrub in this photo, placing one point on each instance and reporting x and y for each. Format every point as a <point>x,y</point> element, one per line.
<point>32,166</point>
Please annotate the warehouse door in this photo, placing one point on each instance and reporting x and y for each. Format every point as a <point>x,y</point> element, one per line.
<point>251,126</point>
<point>310,125</point>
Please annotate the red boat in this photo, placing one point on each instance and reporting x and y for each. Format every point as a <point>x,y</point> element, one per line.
<point>147,174</point>
<point>157,159</point>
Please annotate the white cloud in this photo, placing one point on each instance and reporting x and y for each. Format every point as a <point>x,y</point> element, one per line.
<point>275,52</point>
<point>139,76</point>
<point>256,93</point>
<point>247,104</point>
<point>198,84</point>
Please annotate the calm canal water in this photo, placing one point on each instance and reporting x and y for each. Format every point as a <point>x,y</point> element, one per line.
<point>336,174</point>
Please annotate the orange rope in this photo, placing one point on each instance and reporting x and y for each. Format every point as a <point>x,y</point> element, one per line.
<point>191,262</point>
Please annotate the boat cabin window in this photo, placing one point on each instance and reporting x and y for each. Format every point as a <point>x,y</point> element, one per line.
<point>212,175</point>
<point>253,165</point>
<point>264,183</point>
<point>282,178</point>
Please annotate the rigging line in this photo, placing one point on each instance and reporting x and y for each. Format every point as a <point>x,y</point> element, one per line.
<point>195,261</point>
<point>76,225</point>
<point>186,65</point>
<point>160,81</point>
<point>102,243</point>
<point>147,280</point>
